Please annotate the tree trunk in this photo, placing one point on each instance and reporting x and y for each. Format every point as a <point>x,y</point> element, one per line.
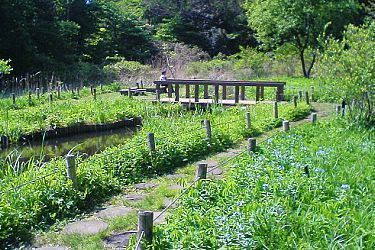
<point>302,57</point>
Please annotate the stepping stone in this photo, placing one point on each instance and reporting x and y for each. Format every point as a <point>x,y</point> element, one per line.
<point>135,197</point>
<point>175,187</point>
<point>168,202</point>
<point>119,240</point>
<point>143,186</point>
<point>161,219</point>
<point>216,171</point>
<point>88,227</point>
<point>113,212</point>
<point>175,176</point>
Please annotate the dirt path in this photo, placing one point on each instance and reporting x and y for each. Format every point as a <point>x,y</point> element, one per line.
<point>113,224</point>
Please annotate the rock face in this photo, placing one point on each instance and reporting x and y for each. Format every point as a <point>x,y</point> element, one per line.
<point>118,240</point>
<point>113,212</point>
<point>86,227</point>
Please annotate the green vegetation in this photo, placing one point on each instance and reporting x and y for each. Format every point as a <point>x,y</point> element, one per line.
<point>101,175</point>
<point>269,201</point>
<point>4,67</point>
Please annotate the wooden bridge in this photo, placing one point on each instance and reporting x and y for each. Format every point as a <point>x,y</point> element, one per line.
<point>174,86</point>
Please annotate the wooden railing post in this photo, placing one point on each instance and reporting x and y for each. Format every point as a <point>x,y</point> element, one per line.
<point>177,92</point>
<point>295,101</point>
<point>262,93</point>
<point>275,110</point>
<point>71,169</point>
<point>216,93</point>
<point>286,126</point>
<point>14,98</point>
<point>37,93</point>
<point>196,93</point>
<point>338,110</point>
<point>207,126</point>
<point>205,91</point>
<point>201,171</point>
<point>169,90</point>
<point>300,95</point>
<point>151,142</point>
<point>157,95</point>
<point>242,93</point>
<point>94,91</point>
<point>257,93</point>
<point>252,143</point>
<point>307,98</point>
<point>187,91</point>
<point>145,227</point>
<point>236,94</point>
<point>248,120</point>
<point>314,117</point>
<point>224,94</point>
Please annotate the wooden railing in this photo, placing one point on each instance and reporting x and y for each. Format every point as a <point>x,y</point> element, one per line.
<point>174,85</point>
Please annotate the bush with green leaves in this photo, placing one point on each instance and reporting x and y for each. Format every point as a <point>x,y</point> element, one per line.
<point>309,188</point>
<point>52,197</point>
<point>348,66</point>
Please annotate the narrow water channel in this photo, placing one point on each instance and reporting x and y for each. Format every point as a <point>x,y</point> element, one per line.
<point>87,144</point>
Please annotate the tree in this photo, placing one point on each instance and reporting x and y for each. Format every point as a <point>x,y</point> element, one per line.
<point>5,68</point>
<point>300,22</point>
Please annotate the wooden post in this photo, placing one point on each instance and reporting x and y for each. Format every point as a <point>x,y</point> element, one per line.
<point>187,91</point>
<point>71,169</point>
<point>201,171</point>
<point>338,110</point>
<point>242,97</point>
<point>306,170</point>
<point>14,99</point>
<point>248,120</point>
<point>312,93</point>
<point>59,92</point>
<point>37,93</point>
<point>300,95</point>
<point>236,94</point>
<point>205,91</point>
<point>262,93</point>
<point>313,117</point>
<point>30,99</point>
<point>224,94</point>
<point>95,93</point>
<point>286,126</point>
<point>157,93</point>
<point>129,92</point>
<point>91,89</point>
<point>77,91</point>
<point>177,92</point>
<point>151,142</point>
<point>216,93</point>
<point>275,110</point>
<point>252,143</point>
<point>257,93</point>
<point>295,101</point>
<point>101,88</point>
<point>307,98</point>
<point>4,141</point>
<point>145,226</point>
<point>50,97</point>
<point>196,93</point>
<point>142,86</point>
<point>207,126</point>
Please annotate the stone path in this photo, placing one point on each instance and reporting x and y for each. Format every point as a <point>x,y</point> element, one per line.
<point>85,227</point>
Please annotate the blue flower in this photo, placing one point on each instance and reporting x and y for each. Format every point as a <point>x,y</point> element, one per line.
<point>345,186</point>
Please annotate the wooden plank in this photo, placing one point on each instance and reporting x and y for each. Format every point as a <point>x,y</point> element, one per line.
<point>196,93</point>
<point>236,94</point>
<point>242,92</point>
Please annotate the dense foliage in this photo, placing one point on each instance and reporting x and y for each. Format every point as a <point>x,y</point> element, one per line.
<point>53,197</point>
<point>348,67</point>
<point>309,188</point>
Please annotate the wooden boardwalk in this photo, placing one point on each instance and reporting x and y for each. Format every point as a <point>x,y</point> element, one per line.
<point>203,102</point>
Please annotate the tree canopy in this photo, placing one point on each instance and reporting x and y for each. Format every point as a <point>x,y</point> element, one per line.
<point>301,22</point>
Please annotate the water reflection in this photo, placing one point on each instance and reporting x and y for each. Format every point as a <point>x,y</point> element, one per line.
<point>88,143</point>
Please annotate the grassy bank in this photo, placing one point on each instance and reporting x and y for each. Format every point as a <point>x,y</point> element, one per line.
<point>309,188</point>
